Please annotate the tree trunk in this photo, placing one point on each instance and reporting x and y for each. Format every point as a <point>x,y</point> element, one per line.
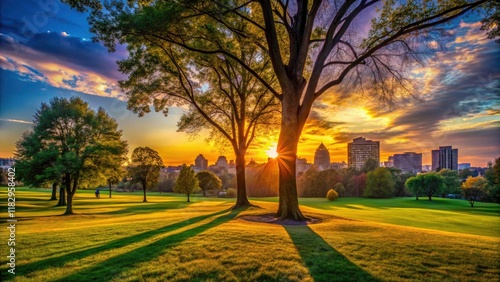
<point>69,195</point>
<point>54,192</point>
<point>287,154</point>
<point>188,198</point>
<point>62,197</point>
<point>109,183</point>
<point>241,196</point>
<point>144,189</point>
<point>430,197</point>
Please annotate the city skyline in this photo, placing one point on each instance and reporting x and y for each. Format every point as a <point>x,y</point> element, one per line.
<point>459,104</point>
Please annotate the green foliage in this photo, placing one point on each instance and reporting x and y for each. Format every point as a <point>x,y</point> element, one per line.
<point>315,183</point>
<point>70,141</point>
<point>208,181</point>
<point>379,184</point>
<point>231,193</point>
<point>339,188</point>
<point>186,182</point>
<point>426,183</point>
<point>332,195</point>
<point>370,165</point>
<point>473,188</point>
<point>451,181</point>
<point>145,168</point>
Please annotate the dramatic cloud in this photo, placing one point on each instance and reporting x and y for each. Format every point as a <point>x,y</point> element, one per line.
<point>64,62</point>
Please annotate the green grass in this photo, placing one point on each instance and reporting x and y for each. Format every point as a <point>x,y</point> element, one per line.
<point>167,239</point>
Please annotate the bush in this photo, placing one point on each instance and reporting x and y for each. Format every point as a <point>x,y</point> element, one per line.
<point>339,188</point>
<point>332,195</point>
<point>231,193</point>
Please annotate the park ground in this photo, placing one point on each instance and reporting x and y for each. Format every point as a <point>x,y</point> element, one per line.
<point>167,239</point>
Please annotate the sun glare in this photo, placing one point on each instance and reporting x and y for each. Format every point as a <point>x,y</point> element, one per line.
<point>272,152</point>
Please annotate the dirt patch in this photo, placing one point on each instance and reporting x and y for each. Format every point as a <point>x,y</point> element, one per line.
<point>271,218</point>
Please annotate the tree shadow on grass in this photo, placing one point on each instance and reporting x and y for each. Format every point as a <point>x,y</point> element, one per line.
<point>324,262</point>
<point>113,266</point>
<point>64,259</point>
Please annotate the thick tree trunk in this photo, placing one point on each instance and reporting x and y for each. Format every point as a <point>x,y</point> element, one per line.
<point>241,197</point>
<point>188,198</point>
<point>144,189</point>
<point>62,197</point>
<point>430,197</point>
<point>69,195</point>
<point>109,183</point>
<point>287,154</point>
<point>54,192</point>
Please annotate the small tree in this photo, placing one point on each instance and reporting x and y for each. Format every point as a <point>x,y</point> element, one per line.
<point>451,181</point>
<point>473,188</point>
<point>208,181</point>
<point>379,184</point>
<point>332,195</point>
<point>427,183</point>
<point>186,183</point>
<point>231,193</point>
<point>339,188</point>
<point>145,168</point>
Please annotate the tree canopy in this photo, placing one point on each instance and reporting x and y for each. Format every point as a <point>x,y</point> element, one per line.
<point>429,183</point>
<point>145,168</point>
<point>474,188</point>
<point>379,184</point>
<point>186,182</point>
<point>208,181</point>
<point>315,48</point>
<point>69,141</point>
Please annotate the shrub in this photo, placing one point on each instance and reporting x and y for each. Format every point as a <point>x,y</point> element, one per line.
<point>332,195</point>
<point>231,193</point>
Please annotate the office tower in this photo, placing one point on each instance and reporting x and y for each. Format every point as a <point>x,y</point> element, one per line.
<point>200,162</point>
<point>445,157</point>
<point>408,162</point>
<point>360,150</point>
<point>322,157</point>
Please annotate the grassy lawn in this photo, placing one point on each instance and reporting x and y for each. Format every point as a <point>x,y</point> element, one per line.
<point>167,239</point>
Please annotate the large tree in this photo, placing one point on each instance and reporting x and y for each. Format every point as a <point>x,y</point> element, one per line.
<point>69,141</point>
<point>379,184</point>
<point>474,188</point>
<point>316,48</point>
<point>145,168</point>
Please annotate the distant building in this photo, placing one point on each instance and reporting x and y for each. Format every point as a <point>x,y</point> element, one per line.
<point>201,162</point>
<point>389,162</point>
<point>338,165</point>
<point>360,150</point>
<point>322,157</point>
<point>426,168</point>
<point>408,162</point>
<point>221,162</point>
<point>301,165</point>
<point>445,157</point>
<point>463,166</point>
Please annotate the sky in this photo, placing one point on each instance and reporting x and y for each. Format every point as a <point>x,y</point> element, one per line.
<point>46,51</point>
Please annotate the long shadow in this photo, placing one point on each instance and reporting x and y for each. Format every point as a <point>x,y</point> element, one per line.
<point>323,261</point>
<point>62,260</point>
<point>112,267</point>
<point>149,207</point>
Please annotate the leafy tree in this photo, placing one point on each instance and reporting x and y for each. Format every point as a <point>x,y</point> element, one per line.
<point>426,183</point>
<point>332,195</point>
<point>379,184</point>
<point>145,168</point>
<point>231,193</point>
<point>69,141</point>
<point>314,47</point>
<point>186,183</point>
<point>451,182</point>
<point>464,173</point>
<point>473,188</point>
<point>339,188</point>
<point>492,174</point>
<point>315,183</point>
<point>370,165</point>
<point>415,184</point>
<point>208,181</point>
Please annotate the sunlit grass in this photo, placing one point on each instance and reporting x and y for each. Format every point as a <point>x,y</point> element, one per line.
<point>167,239</point>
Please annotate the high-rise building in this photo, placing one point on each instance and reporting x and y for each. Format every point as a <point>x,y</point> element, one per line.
<point>408,162</point>
<point>463,166</point>
<point>445,157</point>
<point>322,157</point>
<point>360,150</point>
<point>200,162</point>
<point>221,162</point>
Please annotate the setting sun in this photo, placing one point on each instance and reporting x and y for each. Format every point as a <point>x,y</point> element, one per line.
<point>272,152</point>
